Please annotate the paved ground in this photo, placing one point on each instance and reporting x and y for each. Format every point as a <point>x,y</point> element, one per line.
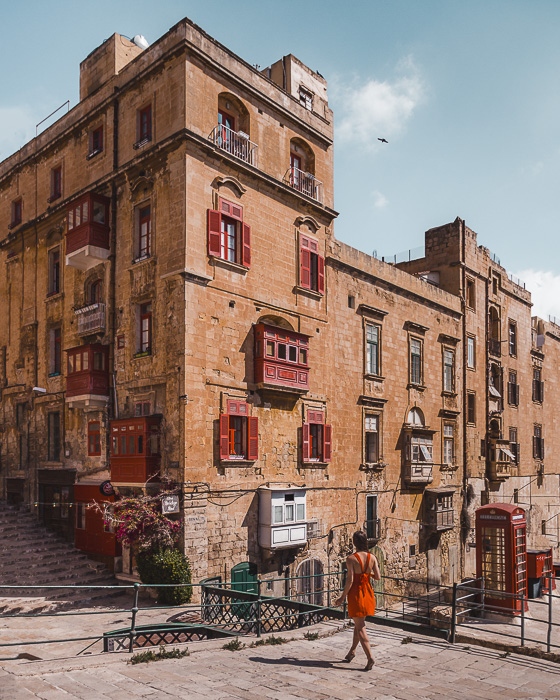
<point>422,668</point>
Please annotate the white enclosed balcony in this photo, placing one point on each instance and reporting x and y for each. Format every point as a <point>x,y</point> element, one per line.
<point>236,143</point>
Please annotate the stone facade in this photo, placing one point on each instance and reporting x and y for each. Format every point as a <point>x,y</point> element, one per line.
<point>173,286</point>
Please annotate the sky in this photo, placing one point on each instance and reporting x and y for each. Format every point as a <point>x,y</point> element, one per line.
<point>467,95</point>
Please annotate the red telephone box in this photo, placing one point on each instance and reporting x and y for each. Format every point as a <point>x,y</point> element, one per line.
<point>501,555</point>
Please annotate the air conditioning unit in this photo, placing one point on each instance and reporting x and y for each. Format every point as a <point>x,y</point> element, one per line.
<point>314,529</point>
<point>243,135</point>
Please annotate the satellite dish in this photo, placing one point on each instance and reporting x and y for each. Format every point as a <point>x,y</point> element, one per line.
<point>140,41</point>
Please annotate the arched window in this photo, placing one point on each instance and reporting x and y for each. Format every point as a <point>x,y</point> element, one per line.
<point>232,133</point>
<point>94,291</point>
<point>415,417</point>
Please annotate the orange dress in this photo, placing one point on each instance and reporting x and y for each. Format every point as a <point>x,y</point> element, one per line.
<point>361,598</point>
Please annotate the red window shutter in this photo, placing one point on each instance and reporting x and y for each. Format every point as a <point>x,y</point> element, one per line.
<point>327,442</point>
<point>315,417</point>
<point>305,442</point>
<point>305,268</point>
<point>320,274</point>
<point>214,232</point>
<point>252,438</point>
<point>246,245</point>
<point>224,436</point>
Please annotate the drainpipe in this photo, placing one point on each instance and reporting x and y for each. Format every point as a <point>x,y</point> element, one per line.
<point>465,398</point>
<point>113,258</point>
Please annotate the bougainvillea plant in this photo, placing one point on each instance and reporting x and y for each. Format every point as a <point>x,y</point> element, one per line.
<point>139,522</point>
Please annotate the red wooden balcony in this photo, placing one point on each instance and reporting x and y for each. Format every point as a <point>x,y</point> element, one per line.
<point>281,359</point>
<point>87,380</point>
<point>135,449</point>
<point>87,237</point>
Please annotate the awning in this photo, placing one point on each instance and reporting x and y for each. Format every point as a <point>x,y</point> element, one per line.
<point>425,453</point>
<point>494,391</point>
<point>508,453</point>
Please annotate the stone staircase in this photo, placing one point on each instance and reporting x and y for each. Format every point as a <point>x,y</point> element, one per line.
<point>31,555</point>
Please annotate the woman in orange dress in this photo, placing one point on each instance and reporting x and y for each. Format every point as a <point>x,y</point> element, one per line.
<point>361,566</point>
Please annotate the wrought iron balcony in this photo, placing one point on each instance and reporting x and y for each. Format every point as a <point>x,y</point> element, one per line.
<point>91,319</point>
<point>306,183</point>
<point>236,143</point>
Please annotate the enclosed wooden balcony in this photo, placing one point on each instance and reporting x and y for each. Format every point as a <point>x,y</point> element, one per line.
<point>438,509</point>
<point>87,237</point>
<point>501,459</point>
<point>281,359</point>
<point>87,381</point>
<point>135,449</point>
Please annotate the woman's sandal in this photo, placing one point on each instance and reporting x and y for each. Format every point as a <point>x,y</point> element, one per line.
<point>349,656</point>
<point>369,665</point>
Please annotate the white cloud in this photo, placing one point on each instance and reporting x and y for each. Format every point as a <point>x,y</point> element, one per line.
<point>545,292</point>
<point>379,108</point>
<point>17,127</point>
<point>379,199</point>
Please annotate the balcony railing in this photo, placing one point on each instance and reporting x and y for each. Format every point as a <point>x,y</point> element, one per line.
<point>236,143</point>
<point>91,319</point>
<point>306,183</point>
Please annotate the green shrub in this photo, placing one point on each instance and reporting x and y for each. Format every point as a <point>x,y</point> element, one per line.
<point>145,657</point>
<point>165,567</point>
<point>234,645</point>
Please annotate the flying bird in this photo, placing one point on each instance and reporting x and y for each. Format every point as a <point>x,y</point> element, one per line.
<point>382,140</point>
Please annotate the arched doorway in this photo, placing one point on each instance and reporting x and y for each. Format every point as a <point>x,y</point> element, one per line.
<point>310,581</point>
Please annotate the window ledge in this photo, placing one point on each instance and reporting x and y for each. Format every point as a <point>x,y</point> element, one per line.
<point>54,374</point>
<point>142,143</point>
<point>141,258</point>
<point>450,394</point>
<point>308,292</point>
<point>54,295</point>
<point>94,153</point>
<point>236,267</point>
<point>237,462</point>
<point>138,355</point>
<point>374,377</point>
<point>418,387</point>
<point>315,465</point>
<point>373,466</point>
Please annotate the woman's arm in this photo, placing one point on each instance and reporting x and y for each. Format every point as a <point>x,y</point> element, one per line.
<point>348,586</point>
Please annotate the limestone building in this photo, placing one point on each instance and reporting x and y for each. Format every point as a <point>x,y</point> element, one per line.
<point>177,306</point>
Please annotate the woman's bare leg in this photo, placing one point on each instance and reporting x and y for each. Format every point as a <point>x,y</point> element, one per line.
<point>360,633</point>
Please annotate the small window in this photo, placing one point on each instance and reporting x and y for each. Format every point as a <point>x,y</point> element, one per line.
<point>514,445</point>
<point>54,437</point>
<point>239,433</point>
<point>17,212</point>
<point>54,271</point>
<point>143,232</point>
<point>448,444</point>
<point>145,329</point>
<point>513,389</point>
<point>306,98</point>
<point>372,442</point>
<point>373,334</point>
<point>415,360</point>
<point>448,370</point>
<point>94,438</point>
<point>538,442</point>
<point>471,352</point>
<point>56,183</point>
<point>55,359</point>
<point>229,237</point>
<point>471,408</point>
<point>512,338</point>
<point>317,438</point>
<point>351,301</point>
<point>538,385</point>
<point>96,144</point>
<point>312,266</point>
<point>142,408</point>
<point>144,126</point>
<point>471,294</point>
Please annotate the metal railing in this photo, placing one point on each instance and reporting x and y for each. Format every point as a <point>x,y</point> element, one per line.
<point>303,182</point>
<point>91,318</point>
<point>236,143</point>
<point>405,256</point>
